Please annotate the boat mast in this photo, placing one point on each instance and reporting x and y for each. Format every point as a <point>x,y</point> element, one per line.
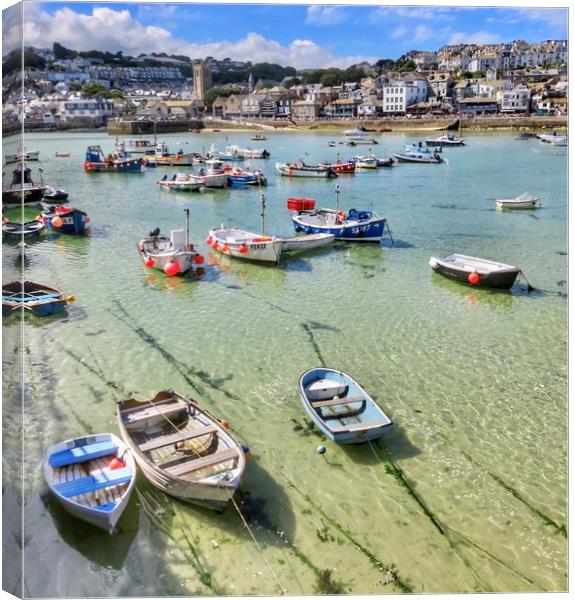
<point>186,211</point>
<point>337,192</point>
<point>262,213</point>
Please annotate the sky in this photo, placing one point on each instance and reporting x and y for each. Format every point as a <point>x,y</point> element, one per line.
<point>301,36</point>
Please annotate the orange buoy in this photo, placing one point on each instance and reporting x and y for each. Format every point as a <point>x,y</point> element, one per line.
<point>225,424</point>
<point>225,248</point>
<point>243,249</point>
<point>57,222</point>
<point>117,463</point>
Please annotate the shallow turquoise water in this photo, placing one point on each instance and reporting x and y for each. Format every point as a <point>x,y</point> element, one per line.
<point>467,493</point>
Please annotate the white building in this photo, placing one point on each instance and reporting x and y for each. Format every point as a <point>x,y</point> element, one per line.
<point>515,100</point>
<point>96,109</point>
<point>399,94</point>
<point>484,62</point>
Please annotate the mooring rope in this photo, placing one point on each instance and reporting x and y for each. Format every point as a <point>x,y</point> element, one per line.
<point>246,525</point>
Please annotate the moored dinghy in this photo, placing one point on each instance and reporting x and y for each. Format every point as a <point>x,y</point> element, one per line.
<point>340,407</point>
<point>35,297</point>
<point>92,477</point>
<point>16,231</point>
<point>479,272</point>
<point>311,241</point>
<point>245,244</point>
<point>182,449</point>
<point>66,219</point>
<point>524,201</point>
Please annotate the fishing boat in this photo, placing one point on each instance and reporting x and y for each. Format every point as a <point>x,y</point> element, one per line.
<point>478,272</point>
<point>231,154</point>
<point>66,219</point>
<point>385,162</point>
<point>258,138</point>
<point>139,145</point>
<point>524,201</point>
<point>554,138</point>
<point>212,175</point>
<point>240,177</point>
<point>335,143</point>
<point>414,153</point>
<point>55,195</point>
<point>301,243</point>
<point>22,188</point>
<point>35,297</point>
<point>162,157</point>
<point>92,477</point>
<point>340,407</point>
<point>22,156</point>
<point>180,182</point>
<point>247,152</point>
<point>360,136</point>
<point>245,244</point>
<point>62,154</point>
<point>174,255</point>
<point>182,449</point>
<point>525,135</point>
<point>19,231</point>
<point>354,226</point>
<point>300,169</point>
<point>119,161</point>
<point>340,167</point>
<point>447,139</point>
<point>366,162</point>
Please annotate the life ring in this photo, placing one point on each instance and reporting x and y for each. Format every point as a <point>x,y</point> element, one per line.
<point>341,216</point>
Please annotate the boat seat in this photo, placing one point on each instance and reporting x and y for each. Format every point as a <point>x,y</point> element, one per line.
<point>30,298</point>
<point>80,454</point>
<point>202,463</point>
<point>340,401</point>
<point>93,483</point>
<point>166,440</point>
<point>141,414</point>
<point>361,425</point>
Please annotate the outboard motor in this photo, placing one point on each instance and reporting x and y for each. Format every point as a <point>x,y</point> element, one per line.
<point>154,233</point>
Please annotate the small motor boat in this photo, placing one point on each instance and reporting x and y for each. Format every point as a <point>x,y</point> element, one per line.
<point>524,201</point>
<point>55,195</point>
<point>66,219</point>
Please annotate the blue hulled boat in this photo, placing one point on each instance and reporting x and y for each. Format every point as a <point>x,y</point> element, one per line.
<point>119,161</point>
<point>66,219</point>
<point>239,177</point>
<point>38,298</point>
<point>340,407</point>
<point>356,226</point>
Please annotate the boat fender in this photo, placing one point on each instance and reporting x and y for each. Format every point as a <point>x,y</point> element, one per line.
<point>71,298</point>
<point>117,463</point>
<point>473,278</point>
<point>341,216</point>
<point>247,452</point>
<point>225,424</point>
<point>243,249</point>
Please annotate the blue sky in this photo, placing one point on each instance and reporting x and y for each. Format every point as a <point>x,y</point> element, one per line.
<point>300,35</point>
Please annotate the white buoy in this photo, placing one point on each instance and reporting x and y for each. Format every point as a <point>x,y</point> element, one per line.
<point>321,449</point>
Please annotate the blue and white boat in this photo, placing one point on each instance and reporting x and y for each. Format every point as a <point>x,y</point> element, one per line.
<point>92,477</point>
<point>340,407</point>
<point>417,153</point>
<point>38,298</point>
<point>356,226</point>
<point>239,177</point>
<point>119,161</point>
<point>66,219</point>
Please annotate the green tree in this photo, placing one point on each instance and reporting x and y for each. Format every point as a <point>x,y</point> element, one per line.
<point>353,74</point>
<point>216,92</point>
<point>60,52</point>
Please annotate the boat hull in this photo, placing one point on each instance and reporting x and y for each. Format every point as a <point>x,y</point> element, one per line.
<point>417,159</point>
<point>293,171</point>
<point>40,299</point>
<point>105,519</point>
<point>74,221</point>
<point>441,144</point>
<point>262,249</point>
<point>516,205</point>
<point>17,196</point>
<point>503,279</point>
<point>353,231</point>
<point>307,242</point>
<point>364,422</point>
<point>128,166</point>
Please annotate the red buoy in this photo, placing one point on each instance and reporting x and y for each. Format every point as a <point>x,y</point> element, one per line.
<point>215,245</point>
<point>171,268</point>
<point>117,463</point>
<point>150,262</point>
<point>199,259</point>
<point>225,248</point>
<point>473,278</point>
<point>209,241</point>
<point>243,249</point>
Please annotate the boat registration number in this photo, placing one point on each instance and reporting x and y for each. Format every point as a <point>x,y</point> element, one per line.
<point>360,229</point>
<point>257,246</point>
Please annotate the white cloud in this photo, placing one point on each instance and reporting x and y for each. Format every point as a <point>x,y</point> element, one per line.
<point>422,33</point>
<point>478,37</point>
<point>325,15</point>
<point>398,32</point>
<point>413,12</point>
<point>114,30</point>
<point>554,17</point>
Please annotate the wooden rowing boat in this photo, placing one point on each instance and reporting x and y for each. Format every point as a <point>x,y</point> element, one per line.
<point>479,272</point>
<point>340,407</point>
<point>92,477</point>
<point>182,449</point>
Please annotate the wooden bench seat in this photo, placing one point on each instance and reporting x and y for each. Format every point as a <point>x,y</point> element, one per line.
<point>141,414</point>
<point>355,426</point>
<point>167,440</point>
<point>80,454</point>
<point>202,463</point>
<point>93,483</point>
<point>338,402</point>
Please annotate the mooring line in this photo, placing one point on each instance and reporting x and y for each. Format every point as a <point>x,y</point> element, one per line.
<point>246,525</point>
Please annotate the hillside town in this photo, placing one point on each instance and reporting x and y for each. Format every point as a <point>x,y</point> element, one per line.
<point>469,80</point>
